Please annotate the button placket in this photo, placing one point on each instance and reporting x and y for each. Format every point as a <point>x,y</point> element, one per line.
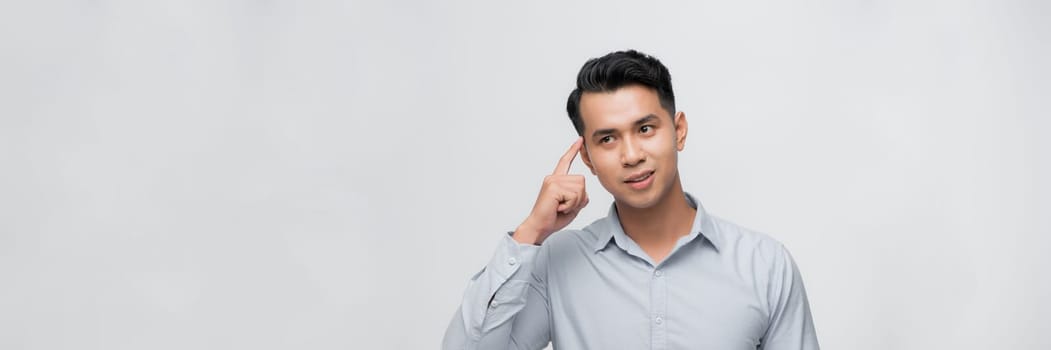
<point>658,308</point>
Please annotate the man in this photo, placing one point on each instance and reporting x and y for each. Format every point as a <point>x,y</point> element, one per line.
<point>658,272</point>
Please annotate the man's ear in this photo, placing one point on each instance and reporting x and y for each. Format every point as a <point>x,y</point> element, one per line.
<point>585,157</point>
<point>681,128</point>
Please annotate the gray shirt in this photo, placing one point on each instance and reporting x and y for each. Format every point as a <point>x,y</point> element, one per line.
<point>721,287</point>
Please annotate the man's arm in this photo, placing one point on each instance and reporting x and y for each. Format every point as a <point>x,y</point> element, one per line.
<point>791,326</point>
<point>505,305</point>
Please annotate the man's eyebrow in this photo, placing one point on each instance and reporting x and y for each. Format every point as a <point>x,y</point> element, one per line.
<point>647,119</point>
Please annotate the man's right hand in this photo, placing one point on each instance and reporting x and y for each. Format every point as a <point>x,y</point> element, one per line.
<point>560,200</point>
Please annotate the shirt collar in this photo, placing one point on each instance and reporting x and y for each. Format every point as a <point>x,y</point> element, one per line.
<point>702,226</point>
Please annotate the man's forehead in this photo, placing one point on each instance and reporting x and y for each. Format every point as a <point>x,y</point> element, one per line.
<point>619,108</point>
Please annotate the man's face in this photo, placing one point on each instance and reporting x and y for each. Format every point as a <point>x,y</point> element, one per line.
<point>631,144</point>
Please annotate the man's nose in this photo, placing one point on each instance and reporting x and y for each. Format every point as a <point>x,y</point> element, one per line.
<point>631,154</point>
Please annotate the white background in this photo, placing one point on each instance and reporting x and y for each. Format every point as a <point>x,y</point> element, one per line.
<point>327,175</point>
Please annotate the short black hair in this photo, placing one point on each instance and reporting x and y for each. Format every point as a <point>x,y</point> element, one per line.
<point>616,70</point>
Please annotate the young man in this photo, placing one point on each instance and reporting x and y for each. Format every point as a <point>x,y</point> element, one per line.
<point>658,272</point>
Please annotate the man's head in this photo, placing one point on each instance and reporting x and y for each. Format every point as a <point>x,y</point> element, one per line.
<point>624,108</point>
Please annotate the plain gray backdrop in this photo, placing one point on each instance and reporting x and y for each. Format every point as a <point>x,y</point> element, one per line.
<point>329,174</point>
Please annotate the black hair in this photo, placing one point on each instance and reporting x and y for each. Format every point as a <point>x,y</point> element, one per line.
<point>616,70</point>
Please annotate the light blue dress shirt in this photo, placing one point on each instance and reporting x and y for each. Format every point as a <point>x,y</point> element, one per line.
<point>722,287</point>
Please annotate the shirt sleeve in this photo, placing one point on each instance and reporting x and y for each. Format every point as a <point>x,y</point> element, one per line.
<point>791,325</point>
<point>505,305</point>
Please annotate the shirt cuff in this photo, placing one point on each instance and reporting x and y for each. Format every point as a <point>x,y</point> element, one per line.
<point>511,256</point>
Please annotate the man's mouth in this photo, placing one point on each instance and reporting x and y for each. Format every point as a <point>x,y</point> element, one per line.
<point>640,181</point>
<point>639,177</point>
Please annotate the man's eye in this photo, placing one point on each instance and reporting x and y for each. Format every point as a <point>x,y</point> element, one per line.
<point>605,139</point>
<point>645,128</point>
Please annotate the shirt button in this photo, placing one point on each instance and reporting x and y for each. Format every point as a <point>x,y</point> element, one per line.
<point>659,320</point>
<point>659,273</point>
<point>512,261</point>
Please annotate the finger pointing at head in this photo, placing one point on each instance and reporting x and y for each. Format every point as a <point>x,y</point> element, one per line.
<point>567,159</point>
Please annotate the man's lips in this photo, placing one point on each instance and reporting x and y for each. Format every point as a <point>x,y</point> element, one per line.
<point>639,176</point>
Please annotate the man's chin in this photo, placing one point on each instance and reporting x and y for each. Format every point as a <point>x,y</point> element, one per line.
<point>644,200</point>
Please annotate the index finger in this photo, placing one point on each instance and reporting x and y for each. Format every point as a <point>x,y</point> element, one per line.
<point>567,159</point>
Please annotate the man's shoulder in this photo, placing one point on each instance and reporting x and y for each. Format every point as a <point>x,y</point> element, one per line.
<point>587,236</point>
<point>747,242</point>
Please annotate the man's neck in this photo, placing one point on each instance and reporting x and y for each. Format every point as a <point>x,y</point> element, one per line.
<point>657,228</point>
